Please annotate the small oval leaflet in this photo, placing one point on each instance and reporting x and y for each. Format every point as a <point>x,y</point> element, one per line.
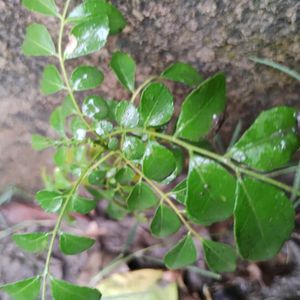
<point>32,242</point>
<point>95,107</point>
<point>71,244</point>
<point>85,78</point>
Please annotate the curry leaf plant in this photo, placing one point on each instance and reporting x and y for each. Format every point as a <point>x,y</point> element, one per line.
<point>144,159</point>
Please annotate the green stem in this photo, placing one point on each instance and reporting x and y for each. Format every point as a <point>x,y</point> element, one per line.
<point>95,163</point>
<point>165,198</point>
<point>217,157</point>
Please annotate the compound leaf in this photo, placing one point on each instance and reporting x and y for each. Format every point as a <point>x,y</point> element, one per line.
<point>264,219</point>
<point>156,105</point>
<point>184,73</point>
<point>270,142</point>
<point>38,41</point>
<point>183,254</point>
<point>32,242</point>
<point>70,244</point>
<point>201,107</point>
<point>219,257</point>
<point>124,67</point>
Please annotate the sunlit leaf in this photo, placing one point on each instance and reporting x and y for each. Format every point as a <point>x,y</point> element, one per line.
<point>159,162</point>
<point>27,289</point>
<point>133,147</point>
<point>156,105</point>
<point>85,78</point>
<point>184,73</point>
<point>45,7</point>
<point>87,37</point>
<point>165,222</point>
<point>49,201</point>
<point>32,242</point>
<point>219,257</point>
<point>183,254</point>
<point>91,8</point>
<point>124,67</point>
<point>201,107</point>
<point>63,290</point>
<point>38,41</point>
<point>210,192</point>
<point>95,107</point>
<point>70,244</point>
<point>103,127</point>
<point>270,142</point>
<point>264,219</point>
<point>126,114</point>
<point>141,197</point>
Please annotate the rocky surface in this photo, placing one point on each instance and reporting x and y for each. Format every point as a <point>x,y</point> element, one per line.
<point>213,35</point>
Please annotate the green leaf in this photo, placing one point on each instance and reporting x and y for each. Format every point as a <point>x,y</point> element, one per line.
<point>70,244</point>
<point>201,107</point>
<point>83,205</point>
<point>94,7</point>
<point>32,242</point>
<point>125,176</point>
<point>180,191</point>
<point>27,289</point>
<point>156,105</point>
<point>124,67</point>
<point>271,140</point>
<point>45,7</point>
<point>141,197</point>
<point>78,128</point>
<point>51,81</point>
<point>116,212</point>
<point>210,192</point>
<point>49,201</point>
<point>57,120</point>
<point>183,254</point>
<point>87,37</point>
<point>38,41</point>
<point>85,78</point>
<point>133,148</point>
<point>62,290</point>
<point>219,257</point>
<point>159,162</point>
<point>264,219</point>
<point>184,73</point>
<point>96,177</point>
<point>165,222</point>
<point>103,127</point>
<point>95,107</point>
<point>126,114</point>
<point>40,142</point>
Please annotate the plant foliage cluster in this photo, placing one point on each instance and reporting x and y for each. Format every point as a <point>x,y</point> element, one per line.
<point>121,151</point>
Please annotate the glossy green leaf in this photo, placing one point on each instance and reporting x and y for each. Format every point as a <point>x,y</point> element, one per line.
<point>133,148</point>
<point>85,78</point>
<point>45,7</point>
<point>51,81</point>
<point>156,106</point>
<point>40,142</point>
<point>95,107</point>
<point>63,290</point>
<point>91,8</point>
<point>38,41</point>
<point>184,73</point>
<point>219,257</point>
<point>183,254</point>
<point>201,107</point>
<point>103,127</point>
<point>264,219</point>
<point>126,114</point>
<point>27,289</point>
<point>141,197</point>
<point>180,191</point>
<point>49,201</point>
<point>210,192</point>
<point>159,162</point>
<point>125,176</point>
<point>70,244</point>
<point>165,222</point>
<point>83,205</point>
<point>88,37</point>
<point>270,142</point>
<point>124,67</point>
<point>32,242</point>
